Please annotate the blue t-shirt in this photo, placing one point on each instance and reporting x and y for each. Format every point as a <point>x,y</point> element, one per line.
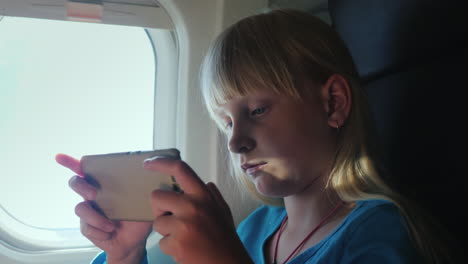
<point>374,232</point>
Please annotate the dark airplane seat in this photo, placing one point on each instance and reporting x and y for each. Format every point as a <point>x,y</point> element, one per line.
<point>412,58</point>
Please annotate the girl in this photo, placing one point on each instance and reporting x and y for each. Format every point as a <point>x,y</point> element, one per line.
<point>284,90</point>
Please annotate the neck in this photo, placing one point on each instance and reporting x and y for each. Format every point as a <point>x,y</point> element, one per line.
<point>310,206</point>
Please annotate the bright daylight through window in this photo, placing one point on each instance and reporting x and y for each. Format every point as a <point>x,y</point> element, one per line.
<point>73,88</point>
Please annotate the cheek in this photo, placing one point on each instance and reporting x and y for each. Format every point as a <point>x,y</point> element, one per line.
<point>274,134</point>
<point>282,142</point>
<point>302,147</point>
<point>279,169</point>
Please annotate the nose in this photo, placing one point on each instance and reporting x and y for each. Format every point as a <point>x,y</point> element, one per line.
<point>240,141</point>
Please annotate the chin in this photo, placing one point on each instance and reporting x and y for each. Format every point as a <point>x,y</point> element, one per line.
<point>268,188</point>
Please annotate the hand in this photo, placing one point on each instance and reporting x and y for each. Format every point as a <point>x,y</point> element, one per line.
<point>196,225</point>
<point>123,241</point>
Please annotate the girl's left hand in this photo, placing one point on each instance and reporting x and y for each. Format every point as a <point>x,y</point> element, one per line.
<point>196,225</point>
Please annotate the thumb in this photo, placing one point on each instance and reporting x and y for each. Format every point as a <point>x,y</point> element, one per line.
<point>222,204</point>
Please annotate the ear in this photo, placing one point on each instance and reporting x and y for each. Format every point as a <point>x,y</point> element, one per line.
<point>337,100</point>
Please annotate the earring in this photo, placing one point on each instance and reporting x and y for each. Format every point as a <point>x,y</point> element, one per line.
<point>337,127</point>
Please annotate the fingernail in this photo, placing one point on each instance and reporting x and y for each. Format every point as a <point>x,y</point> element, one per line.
<point>146,161</point>
<point>149,160</point>
<point>161,157</point>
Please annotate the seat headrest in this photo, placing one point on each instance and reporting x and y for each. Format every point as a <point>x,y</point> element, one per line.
<point>383,35</point>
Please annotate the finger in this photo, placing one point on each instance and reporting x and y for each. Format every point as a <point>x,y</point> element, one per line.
<point>163,202</point>
<point>184,175</point>
<point>94,234</point>
<point>167,246</point>
<point>69,162</point>
<point>218,197</point>
<point>91,217</point>
<point>82,187</point>
<point>165,225</point>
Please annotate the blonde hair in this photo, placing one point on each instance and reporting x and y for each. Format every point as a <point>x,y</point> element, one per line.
<point>275,50</point>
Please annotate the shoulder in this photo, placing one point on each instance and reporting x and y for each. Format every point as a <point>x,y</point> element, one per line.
<point>380,216</point>
<point>375,215</point>
<point>375,211</point>
<point>376,230</point>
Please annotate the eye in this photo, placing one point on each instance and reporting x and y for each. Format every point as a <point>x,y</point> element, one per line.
<point>258,111</point>
<point>228,125</point>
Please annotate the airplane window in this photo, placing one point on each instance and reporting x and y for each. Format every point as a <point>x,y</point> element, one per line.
<point>66,87</point>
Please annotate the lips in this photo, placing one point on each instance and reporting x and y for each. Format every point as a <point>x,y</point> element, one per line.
<point>251,168</point>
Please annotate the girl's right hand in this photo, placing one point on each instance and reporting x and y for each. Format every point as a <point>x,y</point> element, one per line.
<point>123,241</point>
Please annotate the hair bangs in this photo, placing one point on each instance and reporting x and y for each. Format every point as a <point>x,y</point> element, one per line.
<point>246,59</point>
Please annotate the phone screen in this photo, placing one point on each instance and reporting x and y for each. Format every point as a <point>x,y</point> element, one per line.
<point>124,186</point>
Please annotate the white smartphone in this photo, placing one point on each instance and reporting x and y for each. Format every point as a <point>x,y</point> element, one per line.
<point>124,186</point>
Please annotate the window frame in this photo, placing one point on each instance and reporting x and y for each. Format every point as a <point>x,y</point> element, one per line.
<point>194,24</point>
<point>16,247</point>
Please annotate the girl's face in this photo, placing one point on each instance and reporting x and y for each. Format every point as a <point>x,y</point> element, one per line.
<point>282,144</point>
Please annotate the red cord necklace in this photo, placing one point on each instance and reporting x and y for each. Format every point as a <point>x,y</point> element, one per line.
<point>306,238</point>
